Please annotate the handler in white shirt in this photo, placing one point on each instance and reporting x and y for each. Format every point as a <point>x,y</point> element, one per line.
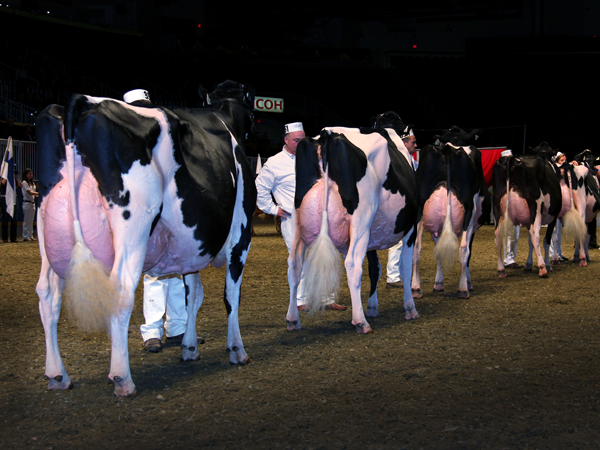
<point>278,177</point>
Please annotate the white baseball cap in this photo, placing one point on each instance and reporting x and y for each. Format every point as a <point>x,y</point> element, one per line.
<point>295,126</point>
<point>135,95</point>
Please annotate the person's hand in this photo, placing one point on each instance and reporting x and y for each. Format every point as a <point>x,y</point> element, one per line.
<point>283,214</point>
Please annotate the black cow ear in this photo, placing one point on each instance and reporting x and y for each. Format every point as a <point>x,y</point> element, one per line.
<point>250,94</point>
<point>204,98</point>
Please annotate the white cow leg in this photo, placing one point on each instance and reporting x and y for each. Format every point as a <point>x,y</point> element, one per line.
<point>375,270</point>
<point>195,296</point>
<point>500,250</point>
<point>438,285</point>
<point>463,288</point>
<point>353,264</point>
<point>415,284</point>
<point>120,374</point>
<point>295,261</point>
<point>49,289</point>
<point>235,346</point>
<point>529,262</point>
<point>410,310</point>
<point>534,233</point>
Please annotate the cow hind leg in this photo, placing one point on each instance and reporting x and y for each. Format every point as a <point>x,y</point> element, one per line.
<point>415,283</point>
<point>49,289</point>
<point>375,270</point>
<point>410,310</point>
<point>463,288</point>
<point>194,296</point>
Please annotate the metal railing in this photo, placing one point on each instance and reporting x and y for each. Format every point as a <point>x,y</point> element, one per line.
<point>25,155</point>
<point>18,111</point>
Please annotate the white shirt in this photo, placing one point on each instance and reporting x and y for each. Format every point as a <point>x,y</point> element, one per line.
<point>25,187</point>
<point>278,176</point>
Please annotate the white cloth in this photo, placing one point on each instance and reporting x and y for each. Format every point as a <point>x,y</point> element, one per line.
<point>510,247</point>
<point>160,296</point>
<point>556,242</point>
<point>394,253</point>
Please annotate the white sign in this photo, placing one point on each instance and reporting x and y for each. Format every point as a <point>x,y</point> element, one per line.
<point>268,104</point>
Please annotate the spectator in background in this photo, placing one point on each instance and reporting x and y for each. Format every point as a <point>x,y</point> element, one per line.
<point>29,195</point>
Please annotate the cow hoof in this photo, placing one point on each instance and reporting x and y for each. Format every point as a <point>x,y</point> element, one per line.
<point>363,328</point>
<point>293,325</point>
<point>247,360</point>
<point>543,273</point>
<point>528,268</point>
<point>411,314</point>
<point>416,293</point>
<point>59,383</point>
<point>130,395</point>
<point>438,287</point>
<point>189,354</point>
<point>502,274</point>
<point>582,263</point>
<point>123,388</point>
<point>463,294</point>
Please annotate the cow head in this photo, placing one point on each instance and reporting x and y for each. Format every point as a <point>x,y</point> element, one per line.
<point>586,157</point>
<point>234,99</point>
<point>544,151</point>
<point>388,119</point>
<point>457,137</point>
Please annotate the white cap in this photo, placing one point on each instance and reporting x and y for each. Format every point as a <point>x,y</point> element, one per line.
<point>135,95</point>
<point>506,153</point>
<point>291,127</point>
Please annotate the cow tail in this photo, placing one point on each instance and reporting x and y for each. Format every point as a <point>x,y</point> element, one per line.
<point>506,229</point>
<point>322,267</point>
<point>573,224</point>
<point>446,249</point>
<point>91,295</point>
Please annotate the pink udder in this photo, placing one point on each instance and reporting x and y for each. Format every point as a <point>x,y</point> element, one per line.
<point>518,210</point>
<point>311,211</point>
<point>434,212</point>
<point>59,237</point>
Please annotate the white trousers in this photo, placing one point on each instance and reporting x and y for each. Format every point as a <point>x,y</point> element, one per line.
<point>510,247</point>
<point>160,296</point>
<point>28,215</point>
<point>393,264</point>
<point>556,242</point>
<point>288,234</point>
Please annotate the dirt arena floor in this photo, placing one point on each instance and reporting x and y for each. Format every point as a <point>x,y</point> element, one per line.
<point>515,366</point>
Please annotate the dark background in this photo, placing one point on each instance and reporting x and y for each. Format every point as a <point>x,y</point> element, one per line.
<point>524,71</point>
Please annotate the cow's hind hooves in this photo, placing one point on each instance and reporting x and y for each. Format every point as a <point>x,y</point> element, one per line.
<point>502,274</point>
<point>247,360</point>
<point>417,293</point>
<point>463,294</point>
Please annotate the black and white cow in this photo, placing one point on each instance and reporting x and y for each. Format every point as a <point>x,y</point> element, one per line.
<point>140,188</point>
<point>355,192</point>
<point>449,213</point>
<point>592,200</point>
<point>526,193</point>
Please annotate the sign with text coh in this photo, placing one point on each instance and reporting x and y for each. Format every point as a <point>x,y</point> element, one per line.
<point>268,104</point>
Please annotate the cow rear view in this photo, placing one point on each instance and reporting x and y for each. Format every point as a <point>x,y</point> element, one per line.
<point>139,188</point>
<point>355,192</point>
